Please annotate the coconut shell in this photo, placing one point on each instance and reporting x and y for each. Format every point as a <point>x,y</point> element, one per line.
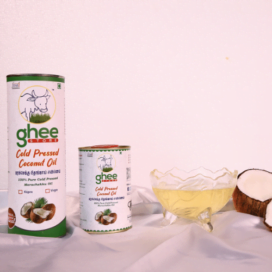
<point>52,208</point>
<point>252,169</point>
<point>246,204</point>
<point>27,215</point>
<point>36,218</point>
<point>114,215</point>
<point>268,226</point>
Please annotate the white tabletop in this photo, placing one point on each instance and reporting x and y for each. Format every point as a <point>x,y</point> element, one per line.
<point>239,242</point>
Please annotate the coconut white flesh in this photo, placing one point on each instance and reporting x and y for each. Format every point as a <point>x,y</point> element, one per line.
<point>256,184</point>
<point>98,215</point>
<point>108,218</point>
<point>268,215</point>
<point>41,212</point>
<point>26,207</point>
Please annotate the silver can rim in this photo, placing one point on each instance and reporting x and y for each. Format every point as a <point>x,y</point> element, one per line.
<point>92,148</point>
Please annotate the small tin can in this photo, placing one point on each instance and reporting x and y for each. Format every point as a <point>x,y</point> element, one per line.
<point>105,188</point>
<point>36,149</point>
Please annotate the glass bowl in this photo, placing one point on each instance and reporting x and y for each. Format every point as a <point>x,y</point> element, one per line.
<point>194,195</point>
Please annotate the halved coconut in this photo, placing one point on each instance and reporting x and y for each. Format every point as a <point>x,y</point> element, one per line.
<point>114,215</point>
<point>26,209</point>
<point>268,216</point>
<point>98,216</point>
<point>253,192</point>
<point>106,219</point>
<point>39,215</point>
<point>52,209</point>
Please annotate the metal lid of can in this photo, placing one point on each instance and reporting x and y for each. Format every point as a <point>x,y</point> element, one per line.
<point>37,75</point>
<point>103,146</point>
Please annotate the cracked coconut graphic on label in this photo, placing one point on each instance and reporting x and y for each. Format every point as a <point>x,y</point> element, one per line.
<point>39,211</point>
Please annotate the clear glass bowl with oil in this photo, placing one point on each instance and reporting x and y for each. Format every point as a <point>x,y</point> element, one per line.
<point>194,195</point>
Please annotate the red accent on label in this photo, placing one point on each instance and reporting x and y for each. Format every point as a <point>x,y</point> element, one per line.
<point>11,218</point>
<point>51,140</point>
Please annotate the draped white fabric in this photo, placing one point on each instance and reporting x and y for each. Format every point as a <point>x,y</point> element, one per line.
<point>239,242</point>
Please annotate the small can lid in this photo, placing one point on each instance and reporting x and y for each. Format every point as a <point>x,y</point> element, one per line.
<point>35,75</point>
<point>103,146</point>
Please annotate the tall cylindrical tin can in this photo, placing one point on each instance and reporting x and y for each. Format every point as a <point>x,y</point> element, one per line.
<point>105,188</point>
<point>36,149</point>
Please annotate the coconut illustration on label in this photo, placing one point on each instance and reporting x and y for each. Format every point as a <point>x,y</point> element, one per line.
<point>26,209</point>
<point>52,209</point>
<point>39,211</point>
<point>36,161</point>
<point>105,188</point>
<point>98,216</point>
<point>106,217</point>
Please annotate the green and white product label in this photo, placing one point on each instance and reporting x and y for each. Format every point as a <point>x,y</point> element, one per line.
<point>105,190</point>
<point>36,163</point>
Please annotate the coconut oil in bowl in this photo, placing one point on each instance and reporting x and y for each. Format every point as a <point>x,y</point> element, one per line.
<point>194,195</point>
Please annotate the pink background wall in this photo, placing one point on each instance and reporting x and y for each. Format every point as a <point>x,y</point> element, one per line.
<point>185,83</point>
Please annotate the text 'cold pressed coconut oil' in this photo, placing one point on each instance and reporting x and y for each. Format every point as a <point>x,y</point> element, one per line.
<point>105,188</point>
<point>36,163</point>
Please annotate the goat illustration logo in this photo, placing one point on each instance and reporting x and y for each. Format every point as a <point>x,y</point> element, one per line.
<point>37,104</point>
<point>106,162</point>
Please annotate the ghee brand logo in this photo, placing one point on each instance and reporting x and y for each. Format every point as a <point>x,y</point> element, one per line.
<point>37,104</point>
<point>105,178</point>
<point>38,136</point>
<point>106,163</point>
<point>37,155</point>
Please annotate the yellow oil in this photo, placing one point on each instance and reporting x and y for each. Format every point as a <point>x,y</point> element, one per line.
<point>189,204</point>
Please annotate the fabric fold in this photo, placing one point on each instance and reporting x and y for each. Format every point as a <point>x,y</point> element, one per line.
<point>239,242</point>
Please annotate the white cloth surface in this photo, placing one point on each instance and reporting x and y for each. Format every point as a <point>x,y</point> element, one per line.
<point>239,242</point>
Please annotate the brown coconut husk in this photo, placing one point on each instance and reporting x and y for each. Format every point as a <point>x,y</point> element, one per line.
<point>265,214</point>
<point>246,204</point>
